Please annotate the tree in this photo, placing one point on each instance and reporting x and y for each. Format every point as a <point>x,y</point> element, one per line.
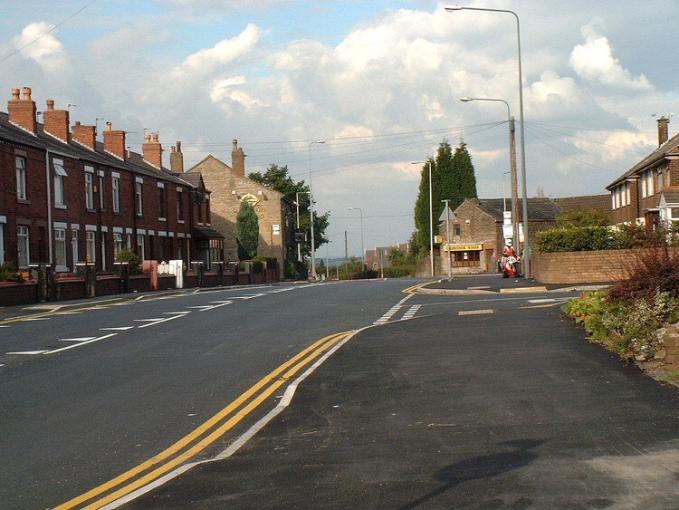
<point>452,176</point>
<point>583,217</point>
<point>247,231</point>
<point>276,177</point>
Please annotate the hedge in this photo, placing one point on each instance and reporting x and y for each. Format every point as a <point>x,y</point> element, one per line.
<point>596,238</point>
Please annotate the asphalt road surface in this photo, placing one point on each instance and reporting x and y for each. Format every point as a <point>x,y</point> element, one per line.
<point>89,392</point>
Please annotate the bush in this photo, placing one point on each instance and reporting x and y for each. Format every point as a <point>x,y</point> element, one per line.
<point>656,270</point>
<point>575,239</point>
<point>8,273</point>
<point>399,271</point>
<point>133,262</point>
<point>583,217</point>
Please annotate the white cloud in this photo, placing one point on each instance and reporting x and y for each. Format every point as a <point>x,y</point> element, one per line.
<point>594,61</point>
<point>42,47</point>
<point>230,90</point>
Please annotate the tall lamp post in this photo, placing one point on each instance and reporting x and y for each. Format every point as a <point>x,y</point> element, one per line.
<point>311,212</point>
<point>526,247</point>
<point>431,217</point>
<point>512,165</point>
<point>299,245</point>
<point>360,212</point>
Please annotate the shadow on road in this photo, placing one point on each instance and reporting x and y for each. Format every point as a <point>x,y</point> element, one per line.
<point>483,466</point>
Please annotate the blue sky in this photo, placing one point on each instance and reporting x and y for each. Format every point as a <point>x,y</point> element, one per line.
<point>379,80</point>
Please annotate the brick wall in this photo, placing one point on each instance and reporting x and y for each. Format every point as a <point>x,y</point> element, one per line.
<point>583,266</point>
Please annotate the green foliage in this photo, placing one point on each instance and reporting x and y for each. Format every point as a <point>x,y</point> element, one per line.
<point>452,176</point>
<point>351,270</point>
<point>655,270</point>
<point>133,262</point>
<point>575,239</point>
<point>247,231</point>
<point>277,178</point>
<point>8,273</point>
<point>582,217</point>
<point>402,264</point>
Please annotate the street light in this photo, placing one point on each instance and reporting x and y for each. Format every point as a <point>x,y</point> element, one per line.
<point>299,245</point>
<point>311,212</point>
<point>360,211</point>
<point>526,248</point>
<point>431,217</point>
<point>512,164</point>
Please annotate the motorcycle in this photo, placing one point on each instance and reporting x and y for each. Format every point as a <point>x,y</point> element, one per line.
<point>509,266</point>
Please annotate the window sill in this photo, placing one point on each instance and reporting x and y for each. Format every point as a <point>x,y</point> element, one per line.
<point>162,219</point>
<point>23,201</point>
<point>180,221</point>
<point>60,206</point>
<point>91,210</point>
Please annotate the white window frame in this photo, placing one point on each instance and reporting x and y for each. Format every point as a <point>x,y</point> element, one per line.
<point>115,192</point>
<point>59,174</point>
<point>162,203</point>
<point>60,248</point>
<point>628,193</point>
<point>139,196</point>
<point>91,246</point>
<point>23,236</point>
<point>118,244</point>
<point>20,166</point>
<point>102,238</point>
<point>141,241</point>
<point>75,232</point>
<point>101,180</point>
<point>89,188</point>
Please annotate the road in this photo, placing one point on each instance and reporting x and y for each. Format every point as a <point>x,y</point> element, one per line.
<point>87,393</point>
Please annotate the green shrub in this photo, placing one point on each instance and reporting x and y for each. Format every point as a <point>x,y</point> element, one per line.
<point>399,271</point>
<point>133,262</point>
<point>8,273</point>
<point>656,270</point>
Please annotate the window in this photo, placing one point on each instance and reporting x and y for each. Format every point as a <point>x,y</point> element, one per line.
<point>180,253</point>
<point>2,243</point>
<point>200,211</point>
<point>658,179</point>
<point>89,189</point>
<point>457,230</point>
<point>91,246</point>
<point>643,185</point>
<point>74,247</point>
<point>117,244</point>
<point>60,248</point>
<point>102,203</point>
<point>23,246</point>
<point>140,246</point>
<point>138,198</point>
<point>649,183</point>
<point>21,177</point>
<point>216,246</point>
<point>162,214</point>
<point>674,211</point>
<point>628,189</point>
<point>207,210</point>
<point>180,205</point>
<point>103,250</point>
<point>115,185</point>
<point>612,199</point>
<point>59,174</point>
<point>128,244</point>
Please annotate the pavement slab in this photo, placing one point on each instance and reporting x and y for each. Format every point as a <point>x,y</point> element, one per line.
<point>480,412</point>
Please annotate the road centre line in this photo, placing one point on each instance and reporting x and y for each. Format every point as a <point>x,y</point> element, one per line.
<point>476,312</point>
<point>122,328</point>
<point>81,339</point>
<point>149,320</point>
<point>28,353</point>
<point>166,319</point>
<point>279,376</point>
<point>73,346</point>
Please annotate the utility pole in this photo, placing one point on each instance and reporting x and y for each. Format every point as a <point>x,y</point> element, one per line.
<point>381,263</point>
<point>515,185</point>
<point>346,256</point>
<point>450,263</point>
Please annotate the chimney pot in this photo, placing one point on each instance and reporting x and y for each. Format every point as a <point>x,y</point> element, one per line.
<point>147,138</point>
<point>109,126</point>
<point>15,95</point>
<point>152,150</point>
<point>77,122</point>
<point>56,122</point>
<point>50,104</point>
<point>154,137</point>
<point>85,135</point>
<point>179,146</point>
<point>177,159</point>
<point>27,93</point>
<point>22,112</point>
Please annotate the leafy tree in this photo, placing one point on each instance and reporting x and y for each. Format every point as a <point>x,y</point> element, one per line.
<point>276,177</point>
<point>247,231</point>
<point>582,217</point>
<point>463,171</point>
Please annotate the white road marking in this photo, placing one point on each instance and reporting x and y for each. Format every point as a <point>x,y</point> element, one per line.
<point>149,320</point>
<point>73,346</point>
<point>139,298</point>
<point>82,339</point>
<point>547,300</point>
<point>282,290</point>
<point>38,319</point>
<point>122,328</point>
<point>480,287</point>
<point>176,313</point>
<point>252,296</point>
<point>5,326</point>
<point>67,312</point>
<point>162,320</point>
<point>217,305</point>
<point>2,364</point>
<point>411,312</point>
<point>199,307</point>
<point>475,312</point>
<point>28,353</point>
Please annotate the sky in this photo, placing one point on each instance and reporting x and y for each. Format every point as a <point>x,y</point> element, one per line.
<point>379,81</point>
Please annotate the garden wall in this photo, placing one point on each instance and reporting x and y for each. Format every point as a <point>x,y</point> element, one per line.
<point>584,266</point>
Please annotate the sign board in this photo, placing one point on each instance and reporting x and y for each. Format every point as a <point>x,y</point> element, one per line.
<point>276,229</point>
<point>462,247</point>
<point>300,236</point>
<point>508,232</point>
<point>450,215</point>
<point>438,239</point>
<point>507,215</point>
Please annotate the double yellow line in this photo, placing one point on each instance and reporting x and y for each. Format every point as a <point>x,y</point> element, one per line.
<point>413,288</point>
<point>204,435</point>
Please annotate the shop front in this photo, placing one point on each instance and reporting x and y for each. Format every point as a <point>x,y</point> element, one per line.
<point>464,255</point>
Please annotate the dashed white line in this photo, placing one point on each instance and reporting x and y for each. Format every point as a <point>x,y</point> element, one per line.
<point>166,319</point>
<point>82,339</point>
<point>149,320</point>
<point>27,353</point>
<point>411,312</point>
<point>38,319</point>
<point>121,328</point>
<point>475,312</point>
<point>73,346</point>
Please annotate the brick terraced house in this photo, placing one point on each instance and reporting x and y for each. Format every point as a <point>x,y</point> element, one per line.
<point>70,198</point>
<point>648,193</point>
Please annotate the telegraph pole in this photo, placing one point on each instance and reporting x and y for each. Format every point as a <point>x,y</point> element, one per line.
<point>450,263</point>
<point>515,185</point>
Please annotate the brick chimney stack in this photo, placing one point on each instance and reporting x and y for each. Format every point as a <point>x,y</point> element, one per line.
<point>56,122</point>
<point>114,142</point>
<point>152,150</point>
<point>663,130</point>
<point>85,135</point>
<point>177,158</point>
<point>22,111</point>
<point>237,159</point>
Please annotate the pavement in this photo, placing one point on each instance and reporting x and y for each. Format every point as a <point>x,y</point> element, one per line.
<point>480,403</point>
<point>494,283</point>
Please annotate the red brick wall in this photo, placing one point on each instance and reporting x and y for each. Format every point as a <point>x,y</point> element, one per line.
<point>583,266</point>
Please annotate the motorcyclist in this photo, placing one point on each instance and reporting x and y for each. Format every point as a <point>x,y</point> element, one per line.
<point>506,268</point>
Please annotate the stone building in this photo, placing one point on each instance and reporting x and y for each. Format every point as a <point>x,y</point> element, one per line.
<point>229,187</point>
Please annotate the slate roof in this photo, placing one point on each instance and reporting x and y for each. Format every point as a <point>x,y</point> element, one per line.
<point>539,209</point>
<point>134,163</point>
<point>599,202</point>
<point>671,196</point>
<point>671,146</point>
